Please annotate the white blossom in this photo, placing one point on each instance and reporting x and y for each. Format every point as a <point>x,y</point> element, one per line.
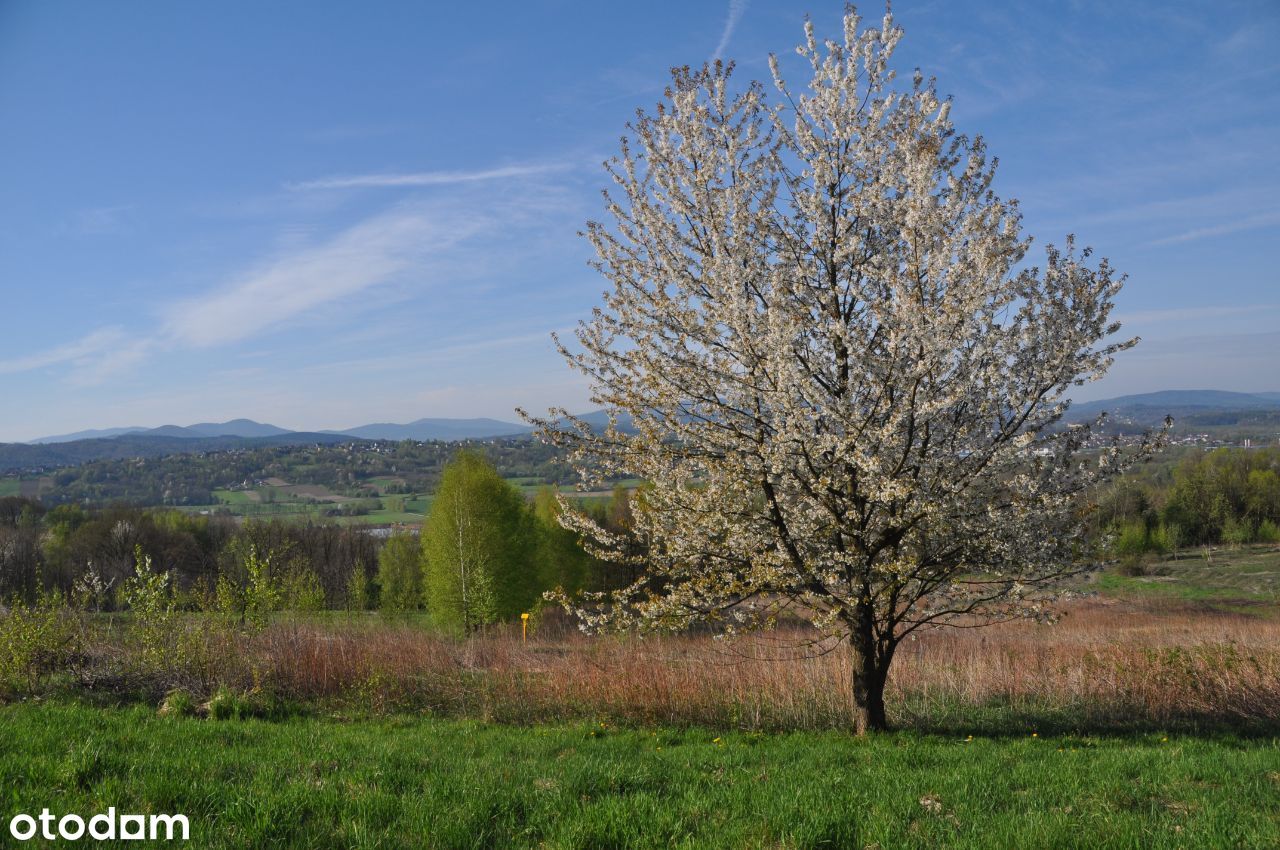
<point>844,382</point>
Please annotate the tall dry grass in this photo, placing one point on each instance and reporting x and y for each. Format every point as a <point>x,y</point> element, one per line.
<point>1104,666</point>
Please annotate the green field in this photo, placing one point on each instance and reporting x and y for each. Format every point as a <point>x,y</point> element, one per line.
<point>412,783</point>
<point>1246,578</point>
<point>283,502</point>
<point>10,486</point>
<point>235,497</point>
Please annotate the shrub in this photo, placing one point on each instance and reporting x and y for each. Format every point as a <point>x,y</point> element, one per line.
<point>1132,565</point>
<point>1268,532</point>
<point>155,616</point>
<point>226,704</point>
<point>229,704</point>
<point>358,596</point>
<point>1131,539</point>
<point>178,703</point>
<point>36,640</point>
<point>253,603</point>
<point>1236,532</point>
<point>1167,538</point>
<point>261,596</point>
<point>301,590</point>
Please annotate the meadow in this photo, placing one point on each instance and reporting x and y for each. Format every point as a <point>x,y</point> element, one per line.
<point>316,503</point>
<point>1143,717</point>
<point>411,782</point>
<point>1245,579</point>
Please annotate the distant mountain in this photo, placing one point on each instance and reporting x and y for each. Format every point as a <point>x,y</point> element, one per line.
<point>599,420</point>
<point>234,428</point>
<point>1151,408</point>
<point>175,431</point>
<point>91,434</point>
<point>238,428</point>
<point>437,429</point>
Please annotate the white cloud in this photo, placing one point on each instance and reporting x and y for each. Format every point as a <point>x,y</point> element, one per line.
<point>82,351</point>
<point>371,253</point>
<point>426,178</point>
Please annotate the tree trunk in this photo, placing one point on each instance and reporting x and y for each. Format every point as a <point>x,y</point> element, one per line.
<point>869,674</point>
<point>868,695</point>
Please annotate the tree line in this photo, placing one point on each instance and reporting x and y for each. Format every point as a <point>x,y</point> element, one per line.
<point>1224,497</point>
<point>485,554</point>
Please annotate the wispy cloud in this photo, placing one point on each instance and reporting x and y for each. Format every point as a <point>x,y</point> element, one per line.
<point>426,178</point>
<point>1266,219</point>
<point>736,8</point>
<point>95,371</point>
<point>366,255</point>
<point>287,287</point>
<point>81,351</point>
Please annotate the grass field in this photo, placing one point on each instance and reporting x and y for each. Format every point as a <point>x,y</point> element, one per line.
<point>310,502</point>
<point>10,486</point>
<point>1149,716</point>
<point>1243,579</point>
<point>415,782</point>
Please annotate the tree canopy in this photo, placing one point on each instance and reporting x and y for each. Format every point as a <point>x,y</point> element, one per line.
<point>479,547</point>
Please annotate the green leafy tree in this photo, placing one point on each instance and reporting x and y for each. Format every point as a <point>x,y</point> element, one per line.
<point>301,588</point>
<point>400,573</point>
<point>562,562</point>
<point>479,547</point>
<point>359,593</point>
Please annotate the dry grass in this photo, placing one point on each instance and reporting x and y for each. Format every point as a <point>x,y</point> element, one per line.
<point>1104,666</point>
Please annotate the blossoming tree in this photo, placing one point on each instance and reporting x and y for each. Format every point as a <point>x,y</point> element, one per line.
<point>841,381</point>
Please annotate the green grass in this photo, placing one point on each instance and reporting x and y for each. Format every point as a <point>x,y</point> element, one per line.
<point>383,517</point>
<point>1232,579</point>
<point>383,481</point>
<point>412,783</point>
<point>10,487</point>
<point>289,505</point>
<point>233,497</point>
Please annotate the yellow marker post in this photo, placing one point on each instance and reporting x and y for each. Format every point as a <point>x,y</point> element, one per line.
<point>524,627</point>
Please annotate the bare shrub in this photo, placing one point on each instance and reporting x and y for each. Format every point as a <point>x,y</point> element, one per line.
<point>1107,667</point>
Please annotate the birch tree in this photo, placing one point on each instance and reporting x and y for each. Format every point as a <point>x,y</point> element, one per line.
<point>842,380</point>
<point>479,548</point>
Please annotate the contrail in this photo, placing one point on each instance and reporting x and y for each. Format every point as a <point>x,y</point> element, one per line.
<point>736,8</point>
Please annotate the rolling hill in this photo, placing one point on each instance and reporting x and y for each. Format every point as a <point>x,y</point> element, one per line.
<point>1152,408</point>
<point>436,429</point>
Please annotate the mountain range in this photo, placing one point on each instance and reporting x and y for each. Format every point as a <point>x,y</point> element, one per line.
<point>1152,408</point>
<point>422,429</point>
<point>1192,408</point>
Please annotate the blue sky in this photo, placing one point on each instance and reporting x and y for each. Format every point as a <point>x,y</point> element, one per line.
<point>324,214</point>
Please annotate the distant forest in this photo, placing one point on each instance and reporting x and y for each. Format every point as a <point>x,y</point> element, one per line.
<point>185,480</point>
